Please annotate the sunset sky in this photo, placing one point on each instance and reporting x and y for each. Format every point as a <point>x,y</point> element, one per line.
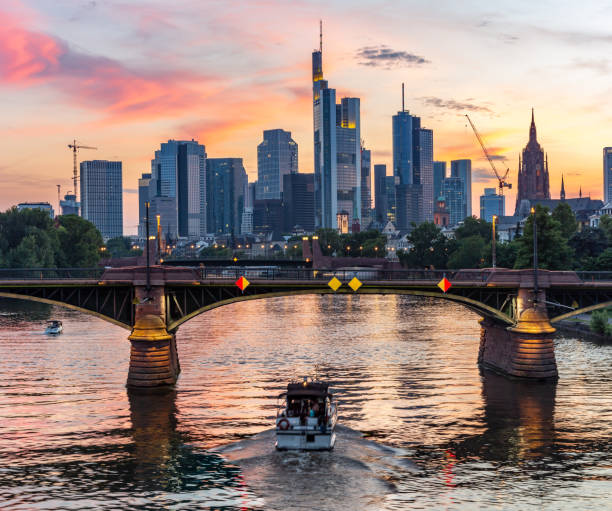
<point>127,75</point>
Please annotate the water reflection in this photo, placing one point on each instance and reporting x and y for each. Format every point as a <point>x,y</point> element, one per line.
<point>519,420</point>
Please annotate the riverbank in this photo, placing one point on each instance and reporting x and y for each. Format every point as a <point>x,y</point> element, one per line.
<point>581,329</point>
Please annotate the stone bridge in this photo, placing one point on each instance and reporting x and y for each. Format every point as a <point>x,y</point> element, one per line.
<point>516,329</point>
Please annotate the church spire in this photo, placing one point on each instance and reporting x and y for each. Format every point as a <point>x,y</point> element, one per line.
<point>562,188</point>
<point>580,193</point>
<point>532,128</point>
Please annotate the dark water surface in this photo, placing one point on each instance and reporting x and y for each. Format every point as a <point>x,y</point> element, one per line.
<point>422,428</point>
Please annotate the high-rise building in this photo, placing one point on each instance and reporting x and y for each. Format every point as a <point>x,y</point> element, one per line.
<point>409,205</point>
<point>533,170</point>
<point>298,202</point>
<point>426,173</point>
<point>439,173</point>
<point>226,181</point>
<point>69,205</point>
<point>102,196</point>
<point>453,190</point>
<point>44,206</point>
<point>143,198</point>
<point>277,156</point>
<point>391,182</point>
<point>178,171</point>
<point>268,218</point>
<point>463,170</point>
<point>380,192</point>
<point>491,204</point>
<point>165,207</point>
<point>607,174</point>
<point>366,186</point>
<point>337,147</point>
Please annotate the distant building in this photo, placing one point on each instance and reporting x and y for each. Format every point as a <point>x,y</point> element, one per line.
<point>583,207</point>
<point>277,156</point>
<point>441,213</point>
<point>463,170</point>
<point>491,204</point>
<point>453,190</point>
<point>607,174</point>
<point>409,205</point>
<point>165,207</point>
<point>102,196</point>
<point>298,202</point>
<point>45,206</point>
<point>143,198</point>
<point>439,173</point>
<point>268,218</point>
<point>226,181</point>
<point>348,159</point>
<point>391,182</point>
<point>366,186</point>
<point>246,227</point>
<point>533,171</point>
<point>69,205</point>
<point>380,193</point>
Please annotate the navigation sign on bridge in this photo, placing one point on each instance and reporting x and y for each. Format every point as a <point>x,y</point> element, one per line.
<point>334,284</point>
<point>444,284</point>
<point>242,283</point>
<point>355,284</point>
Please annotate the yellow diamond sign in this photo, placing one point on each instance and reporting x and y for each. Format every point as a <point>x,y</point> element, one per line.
<point>334,284</point>
<point>355,284</point>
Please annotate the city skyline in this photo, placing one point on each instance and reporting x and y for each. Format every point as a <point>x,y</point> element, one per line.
<point>225,89</point>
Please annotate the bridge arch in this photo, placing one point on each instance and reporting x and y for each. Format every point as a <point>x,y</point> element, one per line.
<point>474,305</point>
<point>582,310</point>
<point>65,305</point>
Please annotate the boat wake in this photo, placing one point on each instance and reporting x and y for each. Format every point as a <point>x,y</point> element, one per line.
<point>358,474</point>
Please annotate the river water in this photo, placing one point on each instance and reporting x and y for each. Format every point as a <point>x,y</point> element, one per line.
<point>421,426</point>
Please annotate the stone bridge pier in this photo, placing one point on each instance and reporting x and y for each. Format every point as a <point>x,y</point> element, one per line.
<point>153,356</point>
<point>525,350</point>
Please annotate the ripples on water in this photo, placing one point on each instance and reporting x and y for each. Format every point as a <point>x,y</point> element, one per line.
<point>437,434</point>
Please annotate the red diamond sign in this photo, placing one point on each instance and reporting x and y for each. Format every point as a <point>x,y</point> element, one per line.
<point>444,284</point>
<point>242,283</point>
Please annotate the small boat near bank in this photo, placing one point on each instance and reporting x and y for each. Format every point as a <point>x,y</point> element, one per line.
<point>54,327</point>
<point>306,419</point>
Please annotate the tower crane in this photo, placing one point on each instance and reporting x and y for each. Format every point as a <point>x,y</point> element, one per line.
<point>501,179</point>
<point>75,147</point>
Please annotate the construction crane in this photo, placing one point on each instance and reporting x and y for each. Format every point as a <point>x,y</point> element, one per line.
<point>75,147</point>
<point>501,179</point>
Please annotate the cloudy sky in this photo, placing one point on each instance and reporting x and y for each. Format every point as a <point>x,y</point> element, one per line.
<point>125,75</point>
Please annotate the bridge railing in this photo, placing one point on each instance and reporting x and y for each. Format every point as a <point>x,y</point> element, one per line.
<point>50,273</point>
<point>593,276</point>
<point>344,275</point>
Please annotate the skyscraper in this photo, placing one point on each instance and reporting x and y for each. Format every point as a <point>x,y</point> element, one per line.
<point>607,174</point>
<point>491,204</point>
<point>225,184</point>
<point>463,170</point>
<point>277,156</point>
<point>533,170</point>
<point>426,173</point>
<point>102,196</point>
<point>178,171</point>
<point>366,186</point>
<point>143,198</point>
<point>453,190</point>
<point>391,183</point>
<point>380,192</point>
<point>337,161</point>
<point>298,202</point>
<point>439,173</point>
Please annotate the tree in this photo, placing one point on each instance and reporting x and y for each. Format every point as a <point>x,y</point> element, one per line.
<point>566,218</point>
<point>605,224</point>
<point>330,241</point>
<point>473,226</point>
<point>468,253</point>
<point>588,244</point>
<point>553,250</point>
<point>79,241</point>
<point>216,251</point>
<point>121,247</point>
<point>429,247</point>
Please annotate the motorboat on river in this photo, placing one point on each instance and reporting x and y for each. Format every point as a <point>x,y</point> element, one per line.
<point>306,417</point>
<point>54,327</point>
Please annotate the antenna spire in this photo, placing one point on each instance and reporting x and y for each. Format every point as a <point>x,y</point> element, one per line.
<point>321,36</point>
<point>403,109</point>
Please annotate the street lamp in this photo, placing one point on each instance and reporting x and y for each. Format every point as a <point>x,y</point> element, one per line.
<point>493,255</point>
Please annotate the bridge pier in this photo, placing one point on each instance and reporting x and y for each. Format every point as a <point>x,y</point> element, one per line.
<point>525,350</point>
<point>153,356</point>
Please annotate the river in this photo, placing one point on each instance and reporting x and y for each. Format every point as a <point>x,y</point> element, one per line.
<point>421,426</point>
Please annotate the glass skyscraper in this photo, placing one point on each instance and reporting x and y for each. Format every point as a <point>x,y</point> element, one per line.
<point>226,181</point>
<point>491,204</point>
<point>453,190</point>
<point>366,186</point>
<point>439,173</point>
<point>463,170</point>
<point>337,151</point>
<point>143,198</point>
<point>607,171</point>
<point>380,192</point>
<point>102,196</point>
<point>277,156</point>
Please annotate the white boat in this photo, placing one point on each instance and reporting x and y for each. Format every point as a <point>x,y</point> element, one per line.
<point>54,327</point>
<point>306,420</point>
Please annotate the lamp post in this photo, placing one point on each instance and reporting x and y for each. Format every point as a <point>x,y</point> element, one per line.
<point>148,256</point>
<point>493,255</point>
<point>535,256</point>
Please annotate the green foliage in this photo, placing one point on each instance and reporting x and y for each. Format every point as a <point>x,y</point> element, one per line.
<point>121,247</point>
<point>80,242</point>
<point>473,226</point>
<point>588,244</point>
<point>216,251</point>
<point>554,252</point>
<point>599,323</point>
<point>605,224</point>
<point>469,253</point>
<point>567,220</point>
<point>330,241</point>
<point>370,243</point>
<point>430,248</point>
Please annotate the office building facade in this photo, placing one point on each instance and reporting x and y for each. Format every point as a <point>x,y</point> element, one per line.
<point>298,202</point>
<point>277,156</point>
<point>102,196</point>
<point>44,206</point>
<point>226,181</point>
<point>366,186</point>
<point>463,170</point>
<point>491,204</point>
<point>380,193</point>
<point>453,190</point>
<point>439,173</point>
<point>143,197</point>
<point>607,174</point>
